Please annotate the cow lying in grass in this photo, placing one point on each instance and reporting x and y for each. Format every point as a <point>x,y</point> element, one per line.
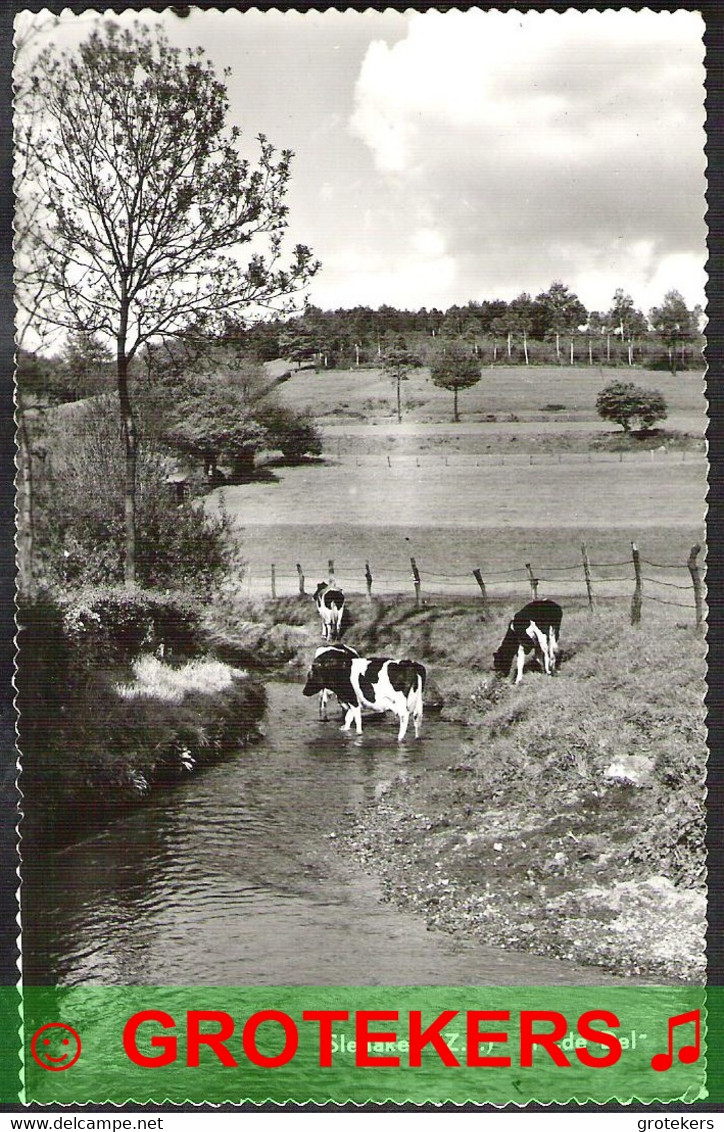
<point>377,683</point>
<point>537,627</point>
<point>341,650</point>
<point>330,604</point>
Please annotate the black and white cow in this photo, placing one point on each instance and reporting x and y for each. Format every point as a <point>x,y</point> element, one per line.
<point>341,650</point>
<point>378,683</point>
<point>536,626</point>
<point>330,604</point>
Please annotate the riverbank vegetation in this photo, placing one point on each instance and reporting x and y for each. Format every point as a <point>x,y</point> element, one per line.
<point>104,721</point>
<point>573,822</point>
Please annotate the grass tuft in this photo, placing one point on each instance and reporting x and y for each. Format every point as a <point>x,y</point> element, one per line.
<point>155,680</point>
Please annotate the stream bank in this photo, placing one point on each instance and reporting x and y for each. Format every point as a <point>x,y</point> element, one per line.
<point>568,822</point>
<point>572,821</point>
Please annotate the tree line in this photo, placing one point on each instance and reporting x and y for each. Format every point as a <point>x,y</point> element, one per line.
<point>553,327</point>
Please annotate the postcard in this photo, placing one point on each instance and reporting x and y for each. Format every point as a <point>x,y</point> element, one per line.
<point>361,506</point>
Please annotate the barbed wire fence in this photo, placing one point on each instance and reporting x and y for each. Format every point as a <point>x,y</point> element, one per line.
<point>676,584</point>
<point>367,454</point>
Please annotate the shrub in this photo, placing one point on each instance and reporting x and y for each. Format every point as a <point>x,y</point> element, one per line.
<point>111,623</point>
<point>80,521</point>
<point>292,432</point>
<point>90,742</point>
<point>626,403</point>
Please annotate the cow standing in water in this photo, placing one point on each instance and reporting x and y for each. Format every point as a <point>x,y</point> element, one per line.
<point>377,683</point>
<point>537,627</point>
<point>330,605</point>
<point>339,649</point>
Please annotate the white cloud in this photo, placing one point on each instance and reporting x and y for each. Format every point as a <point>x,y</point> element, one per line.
<point>410,279</point>
<point>545,145</point>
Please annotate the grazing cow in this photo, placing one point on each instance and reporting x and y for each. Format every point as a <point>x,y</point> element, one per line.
<point>341,650</point>
<point>330,604</point>
<point>378,683</point>
<point>536,626</point>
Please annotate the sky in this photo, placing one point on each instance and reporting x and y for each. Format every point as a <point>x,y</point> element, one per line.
<point>442,158</point>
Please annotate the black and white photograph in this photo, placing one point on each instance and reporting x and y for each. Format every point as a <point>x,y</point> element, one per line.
<point>361,497</point>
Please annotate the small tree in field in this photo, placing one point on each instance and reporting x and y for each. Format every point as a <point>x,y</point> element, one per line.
<point>456,368</point>
<point>627,404</point>
<point>397,363</point>
<point>152,221</point>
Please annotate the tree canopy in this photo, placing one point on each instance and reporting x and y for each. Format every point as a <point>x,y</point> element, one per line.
<point>675,323</point>
<point>455,368</point>
<point>152,218</point>
<point>628,404</point>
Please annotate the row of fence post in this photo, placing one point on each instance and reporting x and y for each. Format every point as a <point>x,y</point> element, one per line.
<point>533,581</point>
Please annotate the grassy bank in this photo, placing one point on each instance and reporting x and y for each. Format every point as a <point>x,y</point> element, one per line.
<point>572,824</point>
<point>104,722</point>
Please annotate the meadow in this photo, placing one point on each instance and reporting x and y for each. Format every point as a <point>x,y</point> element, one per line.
<point>478,494</point>
<point>525,391</point>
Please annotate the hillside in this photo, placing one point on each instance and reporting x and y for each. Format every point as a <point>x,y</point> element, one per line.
<point>543,394</point>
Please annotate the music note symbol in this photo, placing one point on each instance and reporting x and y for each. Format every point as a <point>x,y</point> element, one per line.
<point>687,1054</point>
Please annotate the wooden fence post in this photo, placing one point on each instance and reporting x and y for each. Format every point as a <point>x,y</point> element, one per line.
<point>479,579</point>
<point>330,567</point>
<point>416,580</point>
<point>587,573</point>
<point>368,581</point>
<point>696,580</point>
<point>638,590</point>
<point>533,582</point>
<point>273,580</point>
<point>301,578</point>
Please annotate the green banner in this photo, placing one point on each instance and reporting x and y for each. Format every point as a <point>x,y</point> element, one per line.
<point>494,1045</point>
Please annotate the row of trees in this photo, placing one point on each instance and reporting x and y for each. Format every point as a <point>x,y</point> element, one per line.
<point>494,331</point>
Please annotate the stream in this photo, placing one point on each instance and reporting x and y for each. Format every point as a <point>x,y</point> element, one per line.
<point>233,878</point>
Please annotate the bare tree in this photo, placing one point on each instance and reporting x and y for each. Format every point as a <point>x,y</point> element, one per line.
<point>397,363</point>
<point>30,270</point>
<point>153,219</point>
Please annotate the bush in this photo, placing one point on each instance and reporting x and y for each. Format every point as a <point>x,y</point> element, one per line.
<point>91,743</point>
<point>110,623</point>
<point>79,513</point>
<point>292,432</point>
<point>626,404</point>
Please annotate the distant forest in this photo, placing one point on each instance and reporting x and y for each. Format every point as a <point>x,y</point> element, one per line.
<point>553,328</point>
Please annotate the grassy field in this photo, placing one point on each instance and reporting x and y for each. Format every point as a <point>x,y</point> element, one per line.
<point>462,494</point>
<point>454,519</point>
<point>481,493</point>
<point>527,392</point>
